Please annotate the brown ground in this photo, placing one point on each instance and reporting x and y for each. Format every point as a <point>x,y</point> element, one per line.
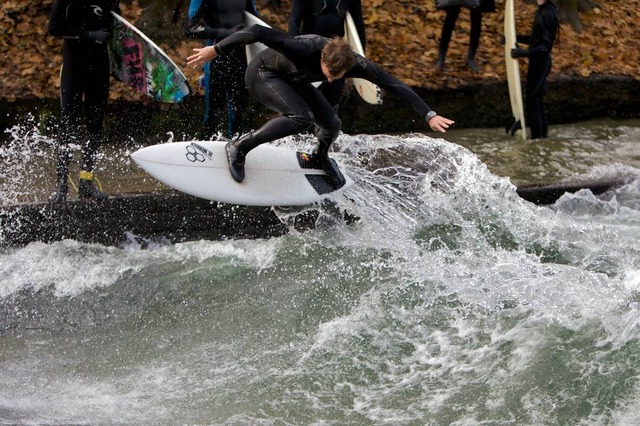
<point>402,36</point>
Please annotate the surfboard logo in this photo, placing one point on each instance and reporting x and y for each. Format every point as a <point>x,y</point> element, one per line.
<point>193,155</point>
<point>200,151</point>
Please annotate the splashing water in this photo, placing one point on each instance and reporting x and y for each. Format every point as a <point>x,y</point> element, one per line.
<point>451,301</point>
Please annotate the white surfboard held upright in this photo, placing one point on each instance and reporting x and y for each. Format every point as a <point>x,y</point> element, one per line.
<point>367,90</point>
<point>274,176</point>
<point>513,68</point>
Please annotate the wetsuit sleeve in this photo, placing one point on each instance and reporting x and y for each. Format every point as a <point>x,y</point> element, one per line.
<point>369,71</point>
<point>272,37</point>
<point>58,24</point>
<point>295,20</point>
<point>195,29</point>
<point>355,8</point>
<point>524,39</point>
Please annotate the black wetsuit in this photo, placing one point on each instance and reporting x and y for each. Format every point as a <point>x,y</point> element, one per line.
<point>224,84</point>
<point>326,18</point>
<point>84,79</point>
<point>540,41</point>
<point>281,78</point>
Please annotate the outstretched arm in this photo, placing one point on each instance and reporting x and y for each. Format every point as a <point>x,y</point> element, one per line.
<point>369,71</point>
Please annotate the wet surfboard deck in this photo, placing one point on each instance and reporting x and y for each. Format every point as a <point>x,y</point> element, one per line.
<point>274,176</point>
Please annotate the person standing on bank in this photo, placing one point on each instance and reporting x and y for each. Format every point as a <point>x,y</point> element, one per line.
<point>327,18</point>
<point>450,19</point>
<point>85,26</point>
<point>281,78</point>
<point>540,41</point>
<point>224,80</point>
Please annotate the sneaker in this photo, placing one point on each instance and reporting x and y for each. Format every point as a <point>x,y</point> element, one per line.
<point>236,160</point>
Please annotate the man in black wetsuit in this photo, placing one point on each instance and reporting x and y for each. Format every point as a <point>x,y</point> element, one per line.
<point>281,78</point>
<point>84,85</point>
<point>543,34</point>
<point>326,18</point>
<point>224,79</point>
<point>474,35</point>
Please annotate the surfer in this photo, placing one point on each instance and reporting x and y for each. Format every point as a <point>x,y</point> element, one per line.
<point>281,78</point>
<point>224,79</point>
<point>474,35</point>
<point>327,18</point>
<point>84,86</point>
<point>540,41</point>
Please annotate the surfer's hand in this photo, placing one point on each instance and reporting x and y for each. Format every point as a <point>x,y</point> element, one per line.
<point>201,56</point>
<point>518,52</point>
<point>439,123</point>
<point>99,36</point>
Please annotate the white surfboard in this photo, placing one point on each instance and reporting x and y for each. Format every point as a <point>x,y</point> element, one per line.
<point>367,90</point>
<point>513,68</point>
<point>274,176</point>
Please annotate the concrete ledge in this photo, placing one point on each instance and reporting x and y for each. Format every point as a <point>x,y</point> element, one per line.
<point>172,217</point>
<point>175,217</point>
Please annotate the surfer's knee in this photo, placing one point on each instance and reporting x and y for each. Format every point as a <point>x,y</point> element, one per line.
<point>303,121</point>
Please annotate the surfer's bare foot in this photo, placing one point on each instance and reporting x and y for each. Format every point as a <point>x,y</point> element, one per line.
<point>236,159</point>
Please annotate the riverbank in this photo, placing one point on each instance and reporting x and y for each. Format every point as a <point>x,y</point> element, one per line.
<point>568,99</point>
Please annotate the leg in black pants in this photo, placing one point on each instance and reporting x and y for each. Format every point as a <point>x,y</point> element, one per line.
<point>536,77</point>
<point>300,107</point>
<point>84,93</point>
<point>447,30</point>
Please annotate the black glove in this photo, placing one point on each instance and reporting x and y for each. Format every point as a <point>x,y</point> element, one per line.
<point>502,39</point>
<point>99,36</point>
<point>518,52</point>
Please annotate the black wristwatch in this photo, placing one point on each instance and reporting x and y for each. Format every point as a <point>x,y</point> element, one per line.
<point>430,115</point>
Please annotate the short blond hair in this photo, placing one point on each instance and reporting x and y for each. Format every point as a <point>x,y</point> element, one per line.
<point>337,56</point>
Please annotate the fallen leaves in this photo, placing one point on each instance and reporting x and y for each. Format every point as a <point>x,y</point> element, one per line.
<point>402,36</point>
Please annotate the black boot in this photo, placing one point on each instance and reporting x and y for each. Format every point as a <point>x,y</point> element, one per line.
<point>440,62</point>
<point>62,180</point>
<point>472,65</point>
<point>86,190</point>
<point>236,159</point>
<point>471,59</point>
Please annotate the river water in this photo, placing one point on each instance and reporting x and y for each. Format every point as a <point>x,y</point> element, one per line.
<point>450,302</point>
